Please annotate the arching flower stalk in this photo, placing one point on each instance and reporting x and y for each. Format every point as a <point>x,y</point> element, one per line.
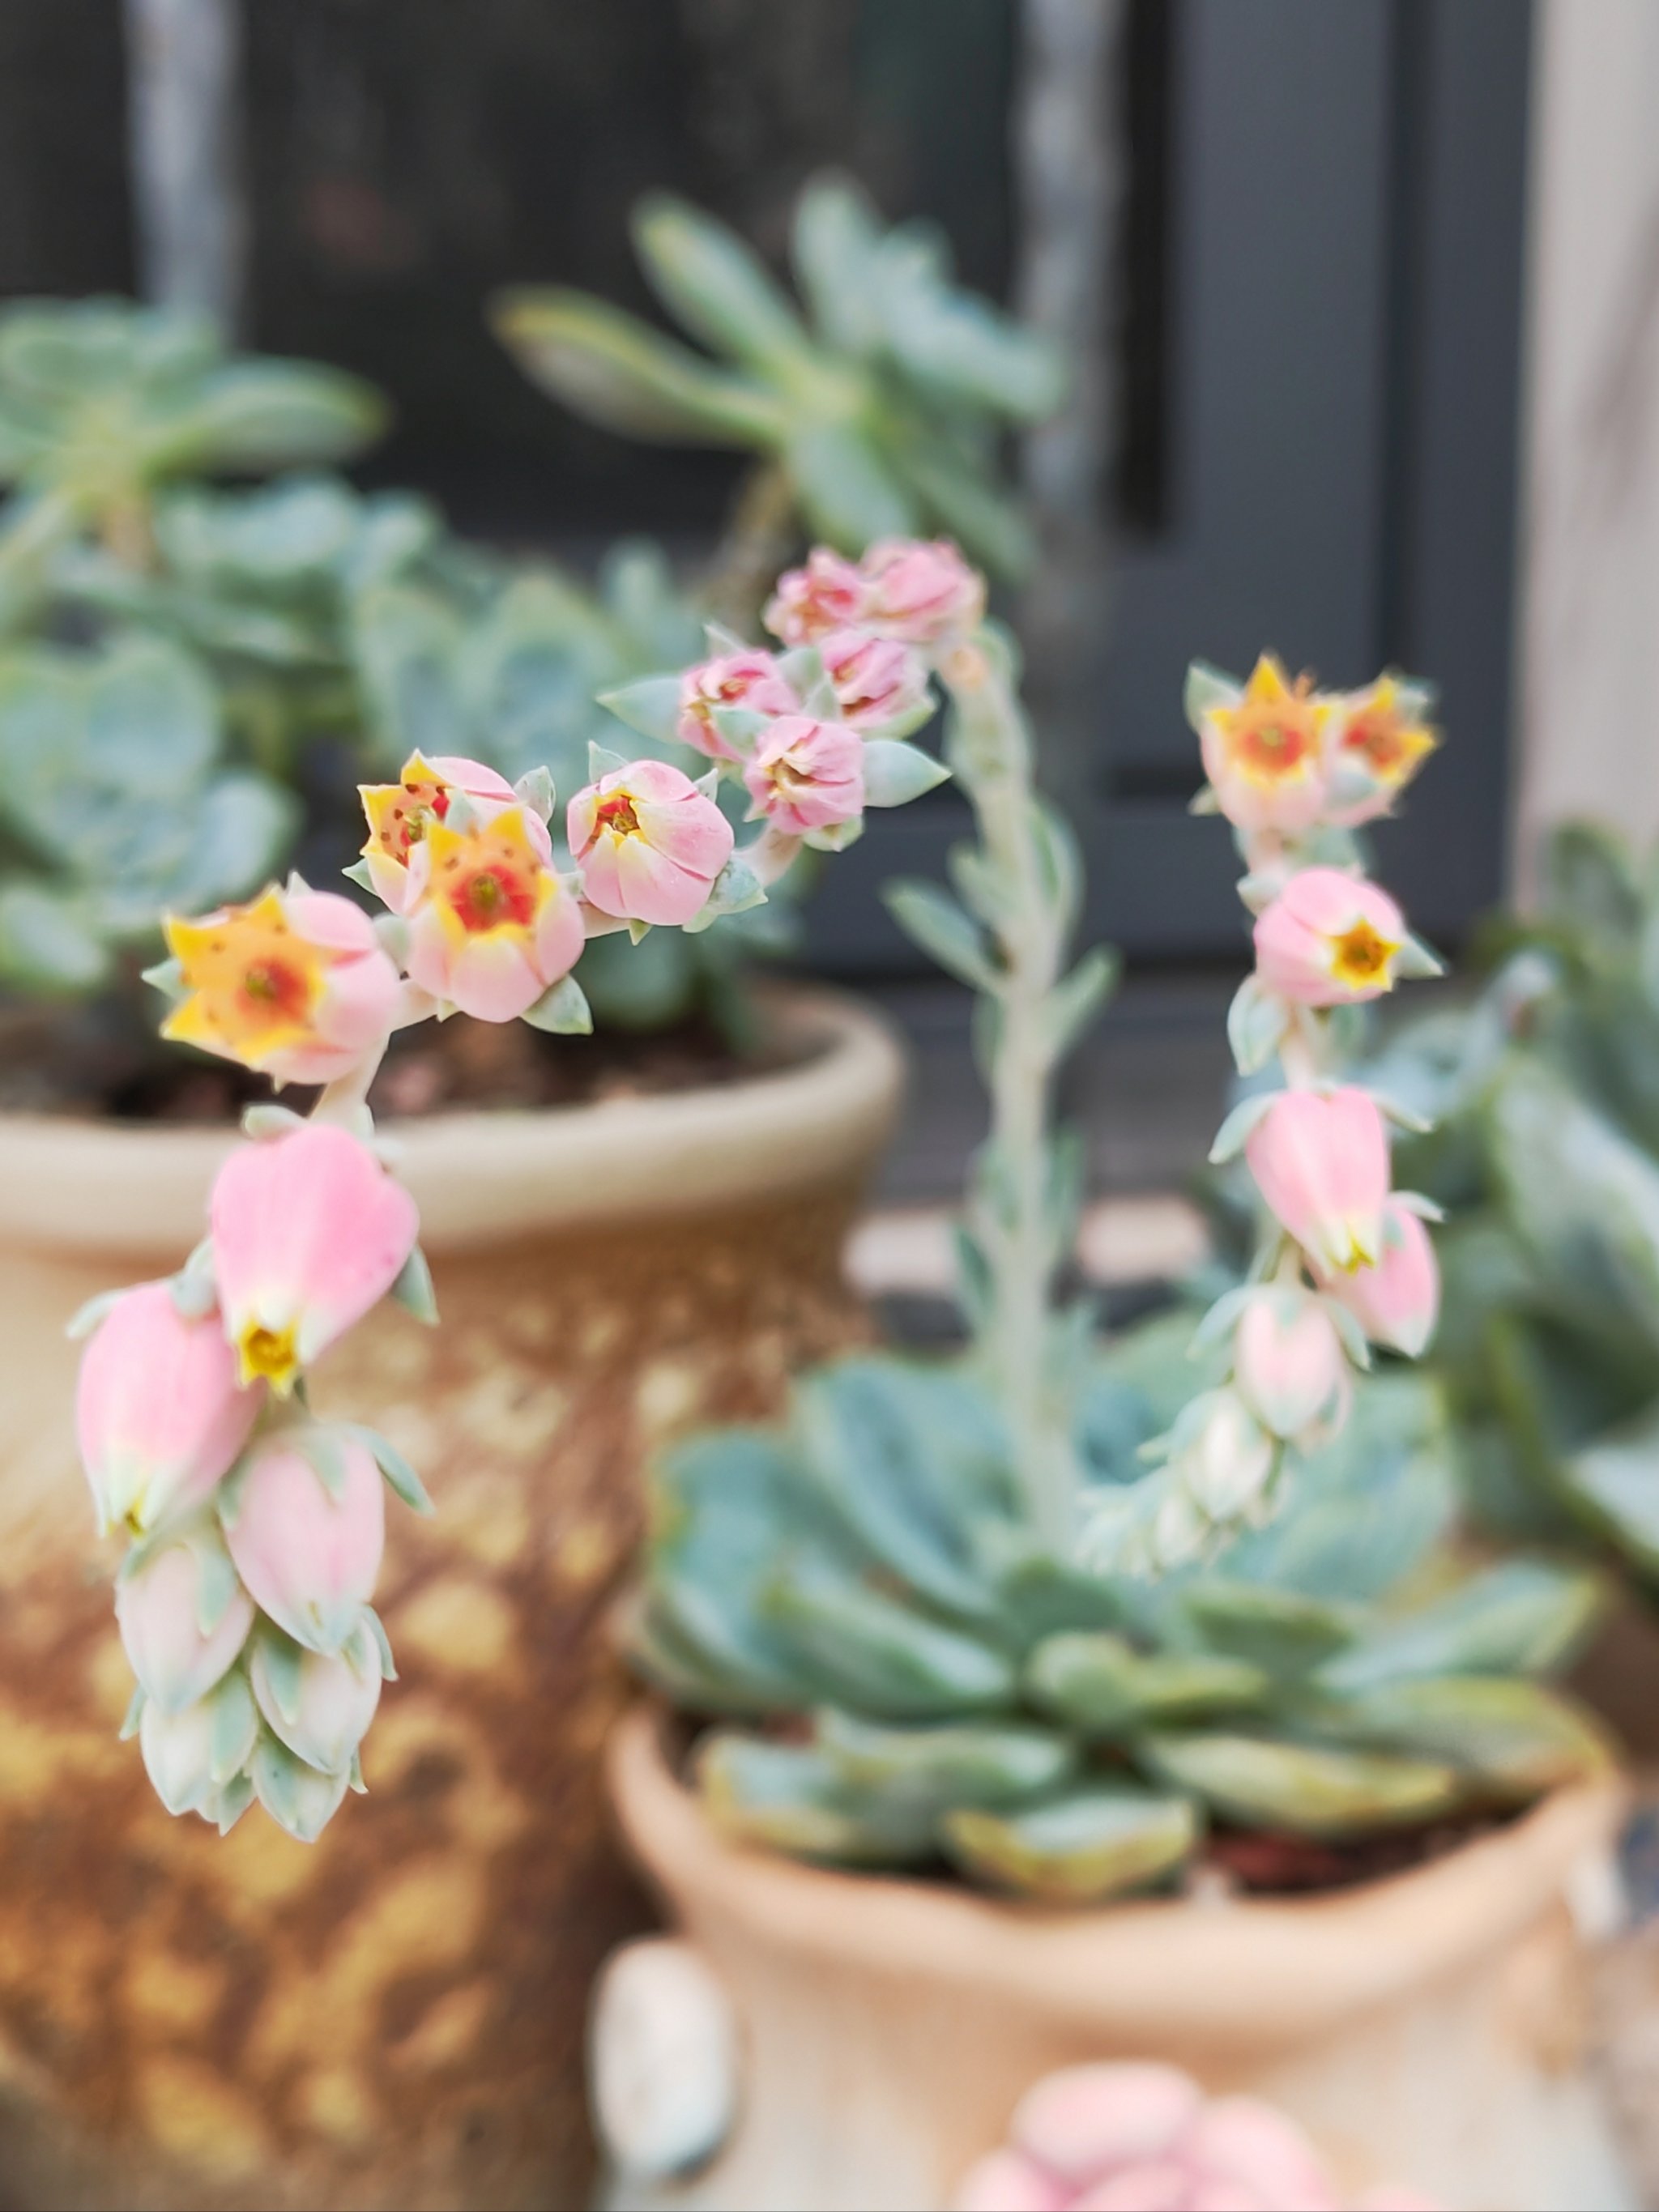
<point>256,1528</point>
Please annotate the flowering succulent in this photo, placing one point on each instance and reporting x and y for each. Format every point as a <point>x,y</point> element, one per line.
<point>245,1602</point>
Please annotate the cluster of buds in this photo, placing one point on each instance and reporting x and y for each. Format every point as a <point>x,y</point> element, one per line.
<point>256,1527</point>
<point>1345,1261</point>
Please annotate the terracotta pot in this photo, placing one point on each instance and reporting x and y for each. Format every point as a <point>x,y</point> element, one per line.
<point>394,2016</point>
<point>1428,2029</point>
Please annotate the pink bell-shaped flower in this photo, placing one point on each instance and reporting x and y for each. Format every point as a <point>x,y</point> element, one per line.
<point>810,603</point>
<point>1264,752</point>
<point>309,1232</point>
<point>1288,1362</point>
<point>920,594</point>
<point>309,1555</point>
<point>1328,939</point>
<point>1397,1300</point>
<point>878,683</point>
<point>184,1617</point>
<point>750,679</point>
<point>159,1412</point>
<point>805,775</point>
<point>648,842</point>
<point>320,1706</point>
<point>491,925</point>
<point>1321,1163</point>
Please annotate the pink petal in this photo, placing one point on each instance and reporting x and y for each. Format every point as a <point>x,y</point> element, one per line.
<point>1155,2185</point>
<point>1243,2140</point>
<point>1084,2118</point>
<point>652,886</point>
<point>325,918</point>
<point>309,1560</point>
<point>691,831</point>
<point>493,978</point>
<point>1005,2182</point>
<point>560,936</point>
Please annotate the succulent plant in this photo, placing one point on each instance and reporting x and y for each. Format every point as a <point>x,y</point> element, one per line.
<point>925,1680</point>
<point>1548,1161</point>
<point>880,403</point>
<point>115,804</point>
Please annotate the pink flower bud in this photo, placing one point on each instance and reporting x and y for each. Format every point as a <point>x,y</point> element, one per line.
<point>1082,2120</point>
<point>309,1558</point>
<point>649,843</point>
<point>400,814</point>
<point>191,1755</point>
<point>1321,1163</point>
<point>295,985</point>
<point>319,1706</point>
<point>1265,756</point>
<point>1328,939</point>
<point>491,927</point>
<point>1396,1301</point>
<point>1288,1362</point>
<point>183,1617</point>
<point>1006,2181</point>
<point>750,678</point>
<point>159,1413</point>
<point>921,593</point>
<point>828,594</point>
<point>806,775</point>
<point>877,681</point>
<point>309,1232</point>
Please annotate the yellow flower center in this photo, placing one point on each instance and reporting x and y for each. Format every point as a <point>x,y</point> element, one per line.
<point>1361,956</point>
<point>489,879</point>
<point>616,814</point>
<point>267,1355</point>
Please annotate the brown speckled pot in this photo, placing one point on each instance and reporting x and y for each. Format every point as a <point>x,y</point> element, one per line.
<point>394,2016</point>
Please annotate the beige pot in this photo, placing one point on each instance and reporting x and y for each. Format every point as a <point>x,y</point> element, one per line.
<point>393,2016</point>
<point>1428,2029</point>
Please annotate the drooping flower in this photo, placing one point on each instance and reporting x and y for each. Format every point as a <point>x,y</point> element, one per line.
<point>159,1412</point>
<point>191,1755</point>
<point>1220,1453</point>
<point>920,594</point>
<point>1265,755</point>
<point>750,678</point>
<point>1288,1362</point>
<point>810,603</point>
<point>400,814</point>
<point>319,1706</point>
<point>649,843</point>
<point>309,1558</point>
<point>1377,740</point>
<point>1396,1301</point>
<point>1321,1163</point>
<point>183,1617</point>
<point>879,683</point>
<point>309,1232</point>
<point>491,927</point>
<point>295,985</point>
<point>806,775</point>
<point>1328,939</point>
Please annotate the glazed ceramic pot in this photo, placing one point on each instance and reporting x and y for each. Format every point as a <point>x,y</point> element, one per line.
<point>394,2015</point>
<point>1428,2029</point>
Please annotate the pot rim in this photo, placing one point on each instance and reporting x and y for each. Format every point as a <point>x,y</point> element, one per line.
<point>133,1192</point>
<point>1236,1972</point>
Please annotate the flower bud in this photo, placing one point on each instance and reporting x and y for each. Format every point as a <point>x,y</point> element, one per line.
<point>319,1706</point>
<point>491,927</point>
<point>297,1797</point>
<point>1321,1163</point>
<point>649,843</point>
<point>190,1756</point>
<point>1265,755</point>
<point>309,1232</point>
<point>159,1413</point>
<point>1328,939</point>
<point>309,1555</point>
<point>805,774</point>
<point>920,594</point>
<point>1396,1301</point>
<point>810,603</point>
<point>1220,1455</point>
<point>295,985</point>
<point>750,678</point>
<point>880,684</point>
<point>184,1617</point>
<point>400,814</point>
<point>1288,1362</point>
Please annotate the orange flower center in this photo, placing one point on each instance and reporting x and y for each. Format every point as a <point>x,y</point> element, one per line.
<point>1384,740</point>
<point>486,897</point>
<point>1271,739</point>
<point>275,992</point>
<point>617,813</point>
<point>1361,956</point>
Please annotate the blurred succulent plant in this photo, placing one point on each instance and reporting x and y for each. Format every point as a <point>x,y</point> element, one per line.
<point>115,804</point>
<point>953,1688</point>
<point>879,408</point>
<point>1548,1161</point>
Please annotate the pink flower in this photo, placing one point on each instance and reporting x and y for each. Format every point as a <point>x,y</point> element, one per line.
<point>400,814</point>
<point>1265,753</point>
<point>159,1413</point>
<point>1288,1362</point>
<point>161,1608</point>
<point>491,927</point>
<point>1328,939</point>
<point>1376,741</point>
<point>806,775</point>
<point>309,1232</point>
<point>920,594</point>
<point>1321,1163</point>
<point>877,681</point>
<point>1396,1301</point>
<point>650,845</point>
<point>309,1558</point>
<point>828,594</point>
<point>295,985</point>
<point>750,678</point>
<point>320,1708</point>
